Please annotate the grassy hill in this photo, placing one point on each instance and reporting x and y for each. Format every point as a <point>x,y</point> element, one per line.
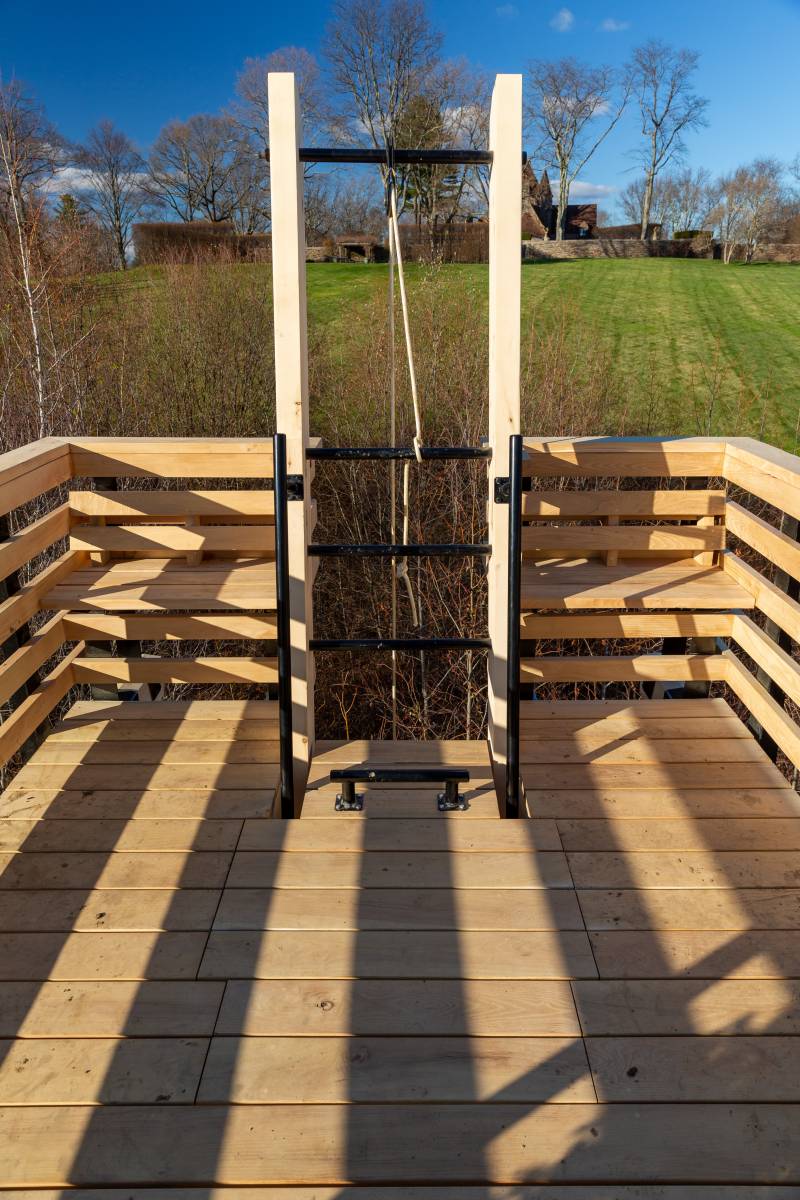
<point>696,346</point>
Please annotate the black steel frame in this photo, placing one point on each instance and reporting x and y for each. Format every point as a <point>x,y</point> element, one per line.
<point>284,647</point>
<point>400,550</point>
<point>410,644</point>
<point>515,490</point>
<point>430,158</point>
<point>396,453</point>
<point>451,777</point>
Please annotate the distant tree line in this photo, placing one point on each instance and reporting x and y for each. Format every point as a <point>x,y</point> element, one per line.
<point>381,79</point>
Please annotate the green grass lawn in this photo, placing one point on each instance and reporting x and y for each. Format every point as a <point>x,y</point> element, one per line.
<point>718,345</point>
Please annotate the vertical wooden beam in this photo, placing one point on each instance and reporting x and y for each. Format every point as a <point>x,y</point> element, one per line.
<point>505,267</point>
<point>291,390</point>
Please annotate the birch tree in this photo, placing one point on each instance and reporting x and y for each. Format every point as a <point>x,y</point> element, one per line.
<point>662,80</point>
<point>571,110</point>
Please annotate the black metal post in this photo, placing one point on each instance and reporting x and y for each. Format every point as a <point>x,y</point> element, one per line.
<point>284,631</point>
<point>396,453</point>
<point>412,645</point>
<point>400,550</point>
<point>514,617</point>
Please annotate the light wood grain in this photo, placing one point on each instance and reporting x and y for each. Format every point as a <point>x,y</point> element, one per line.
<point>665,1007</point>
<point>600,502</point>
<point>675,908</point>
<point>112,1008</point>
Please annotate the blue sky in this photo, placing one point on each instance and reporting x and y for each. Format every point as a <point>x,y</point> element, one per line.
<point>142,65</point>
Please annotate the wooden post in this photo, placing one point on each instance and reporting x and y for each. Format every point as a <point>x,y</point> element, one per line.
<point>505,265</point>
<point>291,391</point>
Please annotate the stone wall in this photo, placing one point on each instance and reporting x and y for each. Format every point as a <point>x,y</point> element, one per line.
<point>617,248</point>
<point>778,252</point>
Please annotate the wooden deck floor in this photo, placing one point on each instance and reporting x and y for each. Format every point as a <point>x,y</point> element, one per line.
<point>602,999</point>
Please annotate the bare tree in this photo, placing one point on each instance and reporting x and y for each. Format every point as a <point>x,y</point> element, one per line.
<point>114,172</point>
<point>380,54</point>
<point>32,149</point>
<point>686,199</point>
<point>251,108</point>
<point>571,110</point>
<point>662,81</point>
<point>205,167</point>
<point>750,205</point>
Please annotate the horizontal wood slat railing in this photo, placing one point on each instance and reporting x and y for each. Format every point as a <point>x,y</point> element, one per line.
<point>226,534</point>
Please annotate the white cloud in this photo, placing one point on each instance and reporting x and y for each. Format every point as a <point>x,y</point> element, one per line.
<point>591,191</point>
<point>507,11</point>
<point>610,25</point>
<point>68,179</point>
<point>563,21</point>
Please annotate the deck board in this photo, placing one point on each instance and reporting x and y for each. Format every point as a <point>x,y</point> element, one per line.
<point>601,1002</point>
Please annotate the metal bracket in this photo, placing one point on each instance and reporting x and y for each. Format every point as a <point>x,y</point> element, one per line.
<point>450,800</point>
<point>348,800</point>
<point>295,488</point>
<point>502,487</point>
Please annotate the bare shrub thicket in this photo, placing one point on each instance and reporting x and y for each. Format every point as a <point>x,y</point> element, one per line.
<point>188,351</point>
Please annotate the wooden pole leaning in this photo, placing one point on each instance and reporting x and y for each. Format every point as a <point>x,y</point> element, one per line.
<point>505,266</point>
<point>291,393</point>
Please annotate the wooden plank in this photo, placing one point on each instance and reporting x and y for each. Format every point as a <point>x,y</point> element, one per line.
<point>103,1071</point>
<point>175,540</point>
<point>505,284</point>
<point>208,777</point>
<point>575,539</point>
<point>602,502</point>
<point>584,748</point>
<point>599,668</point>
<point>769,599</point>
<point>123,752</point>
<point>20,666</point>
<point>421,1007</point>
<point>20,607</point>
<point>422,869</point>
<point>765,471</point>
<point>625,625</point>
<point>172,710</point>
<point>587,731</point>
<point>164,585</point>
<point>108,909</point>
<point>770,715</point>
<point>407,804</point>
<point>167,834</point>
<point>37,706</point>
<point>310,836</point>
<point>114,1008</point>
<point>579,584</point>
<point>176,670</point>
<point>173,458</point>
<point>397,909</point>
<point>687,1069</point>
<point>698,954</point>
<point>764,538</point>
<point>663,802</point>
<point>388,753</point>
<point>715,908</point>
<point>157,627</point>
<point>335,1070</point>
<point>25,544</point>
<point>138,804</point>
<point>199,733</point>
<point>129,505</point>
<point>436,1192</point>
<point>30,471</point>
<point>300,954</point>
<point>56,956</point>
<point>709,833</point>
<point>200,1144</point>
<point>291,394</point>
<point>779,666</point>
<point>685,869</point>
<point>549,710</point>
<point>656,458</point>
<point>666,1007</point>
<point>651,776</point>
<point>87,869</point>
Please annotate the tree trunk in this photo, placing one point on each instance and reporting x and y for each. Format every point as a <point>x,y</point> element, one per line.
<point>563,198</point>
<point>647,201</point>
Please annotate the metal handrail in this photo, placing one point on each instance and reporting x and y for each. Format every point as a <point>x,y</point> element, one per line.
<point>284,647</point>
<point>515,488</point>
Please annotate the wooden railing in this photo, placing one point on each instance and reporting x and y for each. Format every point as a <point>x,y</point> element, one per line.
<point>183,542</point>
